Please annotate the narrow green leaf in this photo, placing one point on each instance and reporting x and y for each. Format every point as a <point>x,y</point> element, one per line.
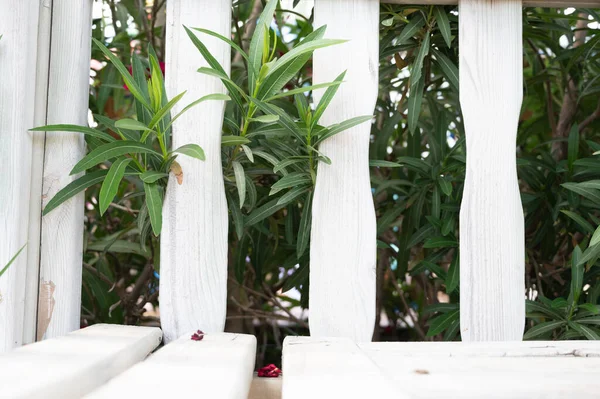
<point>417,68</point>
<point>77,129</point>
<point>131,124</point>
<point>212,61</point>
<point>291,180</point>
<point>443,23</point>
<point>452,279</point>
<point>326,99</point>
<point>154,204</point>
<point>233,140</point>
<point>596,237</point>
<point>573,146</point>
<point>342,126</point>
<point>383,164</point>
<point>11,261</point>
<point>266,119</point>
<point>263,212</point>
<point>305,222</point>
<point>411,28</point>
<point>75,187</point>
<point>580,220</point>
<point>285,119</point>
<point>442,322</point>
<point>165,110</point>
<point>577,271</point>
<point>542,329</point>
<point>110,185</point>
<point>152,176</point>
<point>240,181</point>
<point>302,89</point>
<point>538,307</point>
<point>448,68</point>
<point>414,104</point>
<point>215,96</point>
<point>445,185</point>
<point>586,331</point>
<point>112,150</point>
<point>191,150</point>
<point>255,52</point>
<point>292,194</point>
<point>440,242</point>
<point>236,215</point>
<point>129,81</point>
<point>589,193</point>
<point>226,40</point>
<point>592,253</point>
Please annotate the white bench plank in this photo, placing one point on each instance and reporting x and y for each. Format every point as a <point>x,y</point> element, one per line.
<point>491,370</point>
<point>75,364</point>
<point>343,245</point>
<point>492,239</point>
<point>218,367</point>
<point>332,368</point>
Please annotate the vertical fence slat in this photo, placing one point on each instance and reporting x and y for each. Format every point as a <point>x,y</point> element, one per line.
<point>343,245</point>
<point>18,26</point>
<point>492,253</point>
<point>62,229</point>
<point>193,273</point>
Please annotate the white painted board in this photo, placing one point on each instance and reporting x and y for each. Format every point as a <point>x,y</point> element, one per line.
<point>75,364</point>
<point>220,366</point>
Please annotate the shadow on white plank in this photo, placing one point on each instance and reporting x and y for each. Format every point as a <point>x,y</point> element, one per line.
<point>75,364</point>
<point>218,367</point>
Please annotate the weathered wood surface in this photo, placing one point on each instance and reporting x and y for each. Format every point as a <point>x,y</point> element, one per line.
<point>193,280</point>
<point>61,247</point>
<point>516,370</point>
<point>343,236</point>
<point>526,3</point>
<point>19,27</point>
<point>75,364</point>
<point>492,240</point>
<point>332,368</point>
<point>218,367</point>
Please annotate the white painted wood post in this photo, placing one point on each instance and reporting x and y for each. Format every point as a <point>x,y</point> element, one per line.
<point>61,247</point>
<point>343,237</point>
<point>19,27</point>
<point>492,253</point>
<point>193,266</point>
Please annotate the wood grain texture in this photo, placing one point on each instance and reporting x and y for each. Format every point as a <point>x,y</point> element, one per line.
<point>492,369</point>
<point>526,3</point>
<point>343,237</point>
<point>193,281</point>
<point>484,349</point>
<point>492,242</point>
<point>73,365</point>
<point>37,173</point>
<point>332,368</point>
<point>61,247</point>
<point>218,367</point>
<point>18,25</point>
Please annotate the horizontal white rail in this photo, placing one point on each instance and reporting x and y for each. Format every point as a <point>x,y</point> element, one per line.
<point>75,364</point>
<point>220,366</point>
<point>334,367</point>
<point>526,3</point>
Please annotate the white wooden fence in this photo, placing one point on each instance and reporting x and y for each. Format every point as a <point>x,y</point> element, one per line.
<point>45,54</point>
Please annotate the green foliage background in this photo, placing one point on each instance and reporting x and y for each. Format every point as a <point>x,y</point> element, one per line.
<point>418,157</point>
